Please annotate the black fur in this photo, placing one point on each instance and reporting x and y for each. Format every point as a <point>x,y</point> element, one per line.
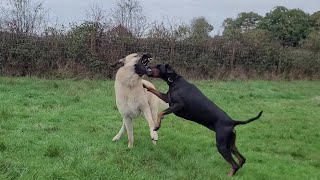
<point>187,101</point>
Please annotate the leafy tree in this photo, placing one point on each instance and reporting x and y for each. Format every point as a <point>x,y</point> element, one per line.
<point>244,22</point>
<point>315,20</point>
<point>287,26</point>
<point>183,32</point>
<point>79,40</point>
<point>313,41</point>
<point>248,21</point>
<point>200,29</point>
<point>230,28</point>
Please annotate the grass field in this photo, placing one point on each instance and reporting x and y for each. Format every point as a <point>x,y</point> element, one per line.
<point>62,129</point>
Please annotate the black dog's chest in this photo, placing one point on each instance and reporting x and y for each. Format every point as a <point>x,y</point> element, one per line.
<point>196,106</point>
<point>182,114</point>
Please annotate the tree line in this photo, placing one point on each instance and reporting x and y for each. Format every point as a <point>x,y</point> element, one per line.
<point>282,44</point>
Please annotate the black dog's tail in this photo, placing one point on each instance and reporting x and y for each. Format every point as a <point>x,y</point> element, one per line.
<point>247,121</point>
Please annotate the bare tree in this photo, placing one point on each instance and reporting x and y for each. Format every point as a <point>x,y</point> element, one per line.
<point>166,28</point>
<point>128,13</point>
<point>23,16</point>
<point>1,24</point>
<point>159,30</point>
<point>95,13</point>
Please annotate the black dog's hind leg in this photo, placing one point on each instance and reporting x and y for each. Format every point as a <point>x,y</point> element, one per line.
<point>224,147</point>
<point>235,151</point>
<point>173,108</point>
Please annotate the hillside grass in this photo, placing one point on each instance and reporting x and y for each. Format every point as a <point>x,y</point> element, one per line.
<point>63,129</point>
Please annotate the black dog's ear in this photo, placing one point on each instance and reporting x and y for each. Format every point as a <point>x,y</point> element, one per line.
<point>169,69</point>
<point>162,68</point>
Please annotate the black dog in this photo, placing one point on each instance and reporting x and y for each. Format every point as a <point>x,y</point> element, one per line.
<point>188,102</point>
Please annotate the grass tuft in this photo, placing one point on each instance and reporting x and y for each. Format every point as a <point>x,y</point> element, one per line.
<point>3,147</point>
<point>53,151</point>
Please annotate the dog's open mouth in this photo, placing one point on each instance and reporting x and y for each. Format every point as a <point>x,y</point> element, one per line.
<point>142,68</point>
<point>145,61</point>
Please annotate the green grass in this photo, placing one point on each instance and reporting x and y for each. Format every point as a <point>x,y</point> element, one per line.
<point>62,129</point>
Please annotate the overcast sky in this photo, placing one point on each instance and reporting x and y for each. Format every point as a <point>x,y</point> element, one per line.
<point>215,11</point>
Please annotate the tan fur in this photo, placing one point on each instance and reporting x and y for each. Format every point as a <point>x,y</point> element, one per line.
<point>132,99</point>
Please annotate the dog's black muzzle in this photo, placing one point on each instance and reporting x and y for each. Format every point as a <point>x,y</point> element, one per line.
<point>142,67</point>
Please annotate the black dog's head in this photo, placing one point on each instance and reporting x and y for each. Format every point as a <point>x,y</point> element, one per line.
<point>163,71</point>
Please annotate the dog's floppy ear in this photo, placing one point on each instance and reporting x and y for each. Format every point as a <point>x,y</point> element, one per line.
<point>118,64</point>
